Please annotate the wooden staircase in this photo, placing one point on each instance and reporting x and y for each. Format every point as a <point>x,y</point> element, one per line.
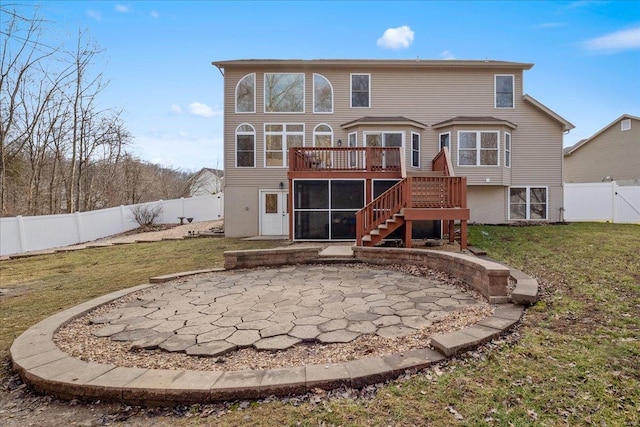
<point>429,196</point>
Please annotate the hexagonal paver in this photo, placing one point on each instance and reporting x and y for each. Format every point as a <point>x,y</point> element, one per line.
<point>279,342</point>
<point>339,336</point>
<point>312,320</point>
<point>211,349</point>
<point>196,330</point>
<point>278,329</point>
<point>244,338</point>
<point>334,325</point>
<point>218,334</point>
<point>416,322</point>
<point>362,326</point>
<point>363,316</point>
<point>227,321</point>
<point>256,324</point>
<point>178,343</point>
<point>305,332</point>
<point>387,321</point>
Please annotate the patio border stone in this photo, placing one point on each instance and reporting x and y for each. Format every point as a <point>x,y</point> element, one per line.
<point>40,363</point>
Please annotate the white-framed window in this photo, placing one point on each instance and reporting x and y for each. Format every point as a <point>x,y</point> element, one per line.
<point>528,203</point>
<point>507,149</point>
<point>625,125</point>
<point>352,141</point>
<point>445,141</point>
<point>322,94</point>
<point>322,136</point>
<point>246,94</point>
<point>504,90</point>
<point>284,93</point>
<point>278,138</point>
<point>360,90</point>
<point>478,148</point>
<point>415,150</point>
<point>245,146</point>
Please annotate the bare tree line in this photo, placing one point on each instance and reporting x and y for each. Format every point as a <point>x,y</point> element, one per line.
<point>59,151</point>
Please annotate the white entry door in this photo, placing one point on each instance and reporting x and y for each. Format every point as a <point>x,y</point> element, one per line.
<point>274,215</point>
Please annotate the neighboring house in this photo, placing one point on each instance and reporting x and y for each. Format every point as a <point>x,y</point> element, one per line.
<point>206,182</point>
<point>309,143</point>
<point>611,154</point>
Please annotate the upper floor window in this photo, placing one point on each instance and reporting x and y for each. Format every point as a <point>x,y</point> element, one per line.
<point>477,148</point>
<point>360,90</point>
<point>504,91</point>
<point>284,93</point>
<point>322,95</point>
<point>245,146</point>
<point>278,139</point>
<point>625,124</point>
<point>415,150</point>
<point>246,94</point>
<point>445,141</point>
<point>507,149</point>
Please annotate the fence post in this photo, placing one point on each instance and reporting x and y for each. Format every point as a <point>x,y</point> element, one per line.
<point>614,202</point>
<point>161,216</point>
<point>123,219</point>
<point>182,200</point>
<point>21,234</point>
<point>78,226</point>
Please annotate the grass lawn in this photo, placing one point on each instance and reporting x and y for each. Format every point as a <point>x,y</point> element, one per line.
<point>576,362</point>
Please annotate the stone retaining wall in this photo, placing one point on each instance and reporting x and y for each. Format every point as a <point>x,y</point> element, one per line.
<point>487,277</point>
<point>270,257</point>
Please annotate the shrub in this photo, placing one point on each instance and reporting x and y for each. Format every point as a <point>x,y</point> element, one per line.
<point>146,214</point>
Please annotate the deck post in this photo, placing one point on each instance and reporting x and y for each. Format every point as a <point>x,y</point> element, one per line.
<point>463,234</point>
<point>452,231</point>
<point>408,233</point>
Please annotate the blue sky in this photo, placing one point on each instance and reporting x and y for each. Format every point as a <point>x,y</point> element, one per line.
<point>157,55</point>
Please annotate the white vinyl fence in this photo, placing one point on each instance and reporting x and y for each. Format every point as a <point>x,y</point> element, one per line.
<point>602,201</point>
<point>31,233</point>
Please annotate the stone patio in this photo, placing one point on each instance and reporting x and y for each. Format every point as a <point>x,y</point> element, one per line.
<point>276,308</point>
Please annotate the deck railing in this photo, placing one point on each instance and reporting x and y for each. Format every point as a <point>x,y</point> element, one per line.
<point>359,159</point>
<point>420,192</point>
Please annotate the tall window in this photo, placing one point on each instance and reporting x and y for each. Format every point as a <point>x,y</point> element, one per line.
<point>322,95</point>
<point>284,93</point>
<point>360,90</point>
<point>507,149</point>
<point>478,148</point>
<point>246,94</point>
<point>278,139</point>
<point>528,203</point>
<point>445,141</point>
<point>415,150</point>
<point>322,136</point>
<point>245,146</point>
<point>504,91</point>
<point>625,125</point>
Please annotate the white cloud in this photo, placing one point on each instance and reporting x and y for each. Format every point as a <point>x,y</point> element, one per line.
<point>620,40</point>
<point>176,109</point>
<point>154,14</point>
<point>203,110</point>
<point>94,14</point>
<point>122,8</point>
<point>396,38</point>
<point>446,55</point>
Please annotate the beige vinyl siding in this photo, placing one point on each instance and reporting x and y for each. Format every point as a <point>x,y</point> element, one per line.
<point>427,95</point>
<point>613,153</point>
<point>487,204</point>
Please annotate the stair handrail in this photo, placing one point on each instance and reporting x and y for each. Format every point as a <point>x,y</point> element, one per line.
<point>382,208</point>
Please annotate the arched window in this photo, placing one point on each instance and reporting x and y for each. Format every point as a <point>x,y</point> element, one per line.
<point>322,94</point>
<point>245,146</point>
<point>322,136</point>
<point>246,94</point>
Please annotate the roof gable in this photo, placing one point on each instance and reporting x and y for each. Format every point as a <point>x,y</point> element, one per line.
<point>583,142</point>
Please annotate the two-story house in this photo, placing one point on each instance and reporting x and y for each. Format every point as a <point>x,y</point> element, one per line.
<point>611,154</point>
<point>344,149</point>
